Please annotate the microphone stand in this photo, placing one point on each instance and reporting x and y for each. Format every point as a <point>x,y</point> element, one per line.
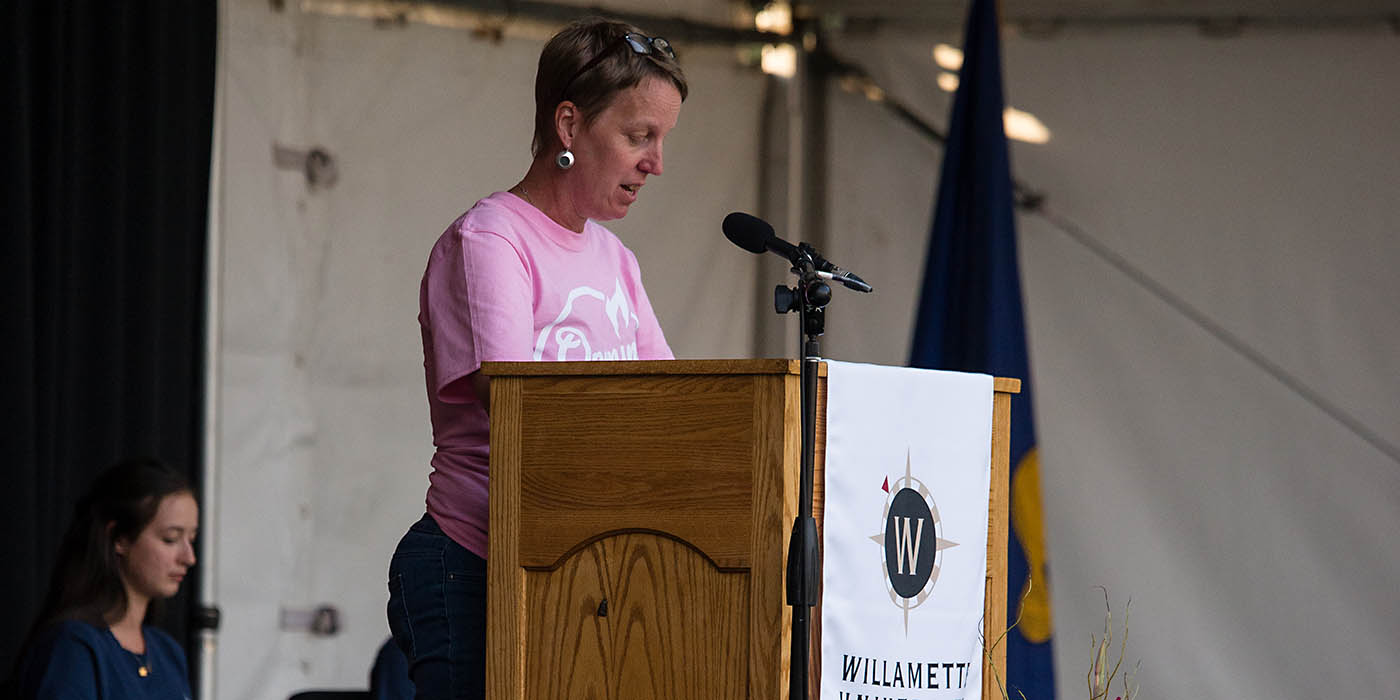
<point>809,298</point>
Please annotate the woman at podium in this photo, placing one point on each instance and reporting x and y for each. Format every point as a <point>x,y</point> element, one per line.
<point>528,274</point>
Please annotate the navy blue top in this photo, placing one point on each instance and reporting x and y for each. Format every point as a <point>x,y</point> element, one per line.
<point>74,660</point>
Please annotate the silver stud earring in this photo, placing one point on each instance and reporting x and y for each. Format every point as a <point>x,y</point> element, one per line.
<point>565,159</point>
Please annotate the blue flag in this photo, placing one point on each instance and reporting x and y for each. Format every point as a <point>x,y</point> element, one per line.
<point>970,320</point>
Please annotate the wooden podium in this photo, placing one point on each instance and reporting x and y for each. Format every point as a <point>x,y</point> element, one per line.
<point>640,513</point>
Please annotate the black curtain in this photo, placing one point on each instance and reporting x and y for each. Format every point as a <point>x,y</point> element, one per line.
<point>107,129</point>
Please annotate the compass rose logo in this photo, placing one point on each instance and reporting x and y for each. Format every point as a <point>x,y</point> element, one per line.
<point>911,542</point>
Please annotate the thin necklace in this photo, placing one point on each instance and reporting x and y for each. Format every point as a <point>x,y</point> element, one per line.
<point>143,662</point>
<point>526,193</point>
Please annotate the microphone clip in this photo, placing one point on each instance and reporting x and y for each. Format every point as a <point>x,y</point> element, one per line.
<point>824,269</point>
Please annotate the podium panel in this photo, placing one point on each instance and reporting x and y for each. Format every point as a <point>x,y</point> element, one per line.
<point>639,522</point>
<point>638,615</point>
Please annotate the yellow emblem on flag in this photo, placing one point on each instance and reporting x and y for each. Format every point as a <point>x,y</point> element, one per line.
<point>1028,523</point>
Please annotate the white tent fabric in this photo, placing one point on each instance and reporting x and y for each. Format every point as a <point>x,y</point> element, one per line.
<point>1251,177</point>
<point>1254,532</point>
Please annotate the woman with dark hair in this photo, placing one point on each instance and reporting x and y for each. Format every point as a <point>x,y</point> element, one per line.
<point>528,274</point>
<point>129,547</point>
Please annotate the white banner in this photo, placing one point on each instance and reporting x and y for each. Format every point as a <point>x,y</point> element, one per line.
<point>908,473</point>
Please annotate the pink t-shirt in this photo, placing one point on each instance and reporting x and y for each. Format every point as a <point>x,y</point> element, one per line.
<point>507,283</point>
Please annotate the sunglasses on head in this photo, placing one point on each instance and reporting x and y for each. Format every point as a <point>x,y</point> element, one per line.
<point>639,43</point>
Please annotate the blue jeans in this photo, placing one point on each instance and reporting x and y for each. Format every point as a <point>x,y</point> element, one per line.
<point>437,612</point>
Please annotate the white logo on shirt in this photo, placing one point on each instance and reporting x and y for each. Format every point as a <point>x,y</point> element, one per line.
<point>619,312</point>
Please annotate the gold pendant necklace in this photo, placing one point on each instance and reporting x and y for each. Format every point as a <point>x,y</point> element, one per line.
<point>143,666</point>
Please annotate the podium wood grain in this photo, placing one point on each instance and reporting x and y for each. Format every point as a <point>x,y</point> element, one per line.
<point>666,488</point>
<point>675,626</point>
<point>998,539</point>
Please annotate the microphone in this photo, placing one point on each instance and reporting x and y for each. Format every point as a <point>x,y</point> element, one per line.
<point>756,236</point>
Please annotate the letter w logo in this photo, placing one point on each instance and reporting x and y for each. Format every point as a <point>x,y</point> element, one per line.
<point>906,544</point>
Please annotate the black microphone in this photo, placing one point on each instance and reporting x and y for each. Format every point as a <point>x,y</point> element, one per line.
<point>756,236</point>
